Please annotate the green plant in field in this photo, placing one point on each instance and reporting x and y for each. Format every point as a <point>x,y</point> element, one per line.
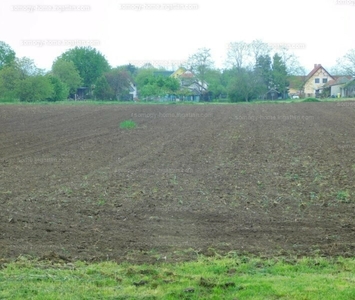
<point>101,202</point>
<point>343,196</point>
<point>174,180</point>
<point>128,124</point>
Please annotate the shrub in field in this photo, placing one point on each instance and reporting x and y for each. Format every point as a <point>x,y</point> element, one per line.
<point>128,124</point>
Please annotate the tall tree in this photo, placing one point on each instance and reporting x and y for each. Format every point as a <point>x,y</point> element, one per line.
<point>90,63</point>
<point>67,73</point>
<point>279,75</point>
<point>102,89</point>
<point>7,55</point>
<point>60,89</point>
<point>119,81</point>
<point>263,70</point>
<point>10,76</point>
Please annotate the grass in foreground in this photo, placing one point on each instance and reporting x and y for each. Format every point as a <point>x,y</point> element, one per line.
<point>206,278</point>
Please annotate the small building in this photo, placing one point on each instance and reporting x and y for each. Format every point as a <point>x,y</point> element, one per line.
<point>336,86</point>
<point>81,93</point>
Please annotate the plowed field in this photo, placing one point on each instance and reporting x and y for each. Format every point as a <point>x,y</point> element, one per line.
<point>264,179</point>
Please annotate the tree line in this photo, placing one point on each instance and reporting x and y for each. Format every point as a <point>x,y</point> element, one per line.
<point>253,71</point>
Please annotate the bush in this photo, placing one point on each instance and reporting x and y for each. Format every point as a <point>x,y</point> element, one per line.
<point>128,124</point>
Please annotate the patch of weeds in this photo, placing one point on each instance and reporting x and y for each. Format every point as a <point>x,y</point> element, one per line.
<point>343,196</point>
<point>174,180</point>
<point>128,124</point>
<point>101,202</point>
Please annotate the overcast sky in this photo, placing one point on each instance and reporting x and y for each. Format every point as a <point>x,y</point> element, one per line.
<point>167,32</point>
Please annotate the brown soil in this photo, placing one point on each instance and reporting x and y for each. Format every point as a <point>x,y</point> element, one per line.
<point>262,179</point>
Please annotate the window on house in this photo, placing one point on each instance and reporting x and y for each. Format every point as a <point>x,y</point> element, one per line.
<point>325,80</point>
<point>316,80</point>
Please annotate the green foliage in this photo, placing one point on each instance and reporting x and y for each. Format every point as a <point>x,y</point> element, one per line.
<point>343,196</point>
<point>67,73</point>
<point>27,67</point>
<point>128,124</point>
<point>237,277</point>
<point>7,55</point>
<point>61,90</point>
<point>119,82</point>
<point>113,85</point>
<point>35,88</point>
<point>16,76</point>
<point>279,75</point>
<point>102,89</point>
<point>90,63</point>
<point>152,85</point>
<point>243,86</point>
<point>263,69</point>
<point>10,77</point>
<point>143,77</point>
<point>215,83</point>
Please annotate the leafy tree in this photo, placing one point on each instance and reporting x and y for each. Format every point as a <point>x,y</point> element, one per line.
<point>215,83</point>
<point>143,77</point>
<point>131,69</point>
<point>90,63</point>
<point>119,82</point>
<point>279,75</point>
<point>7,55</point>
<point>35,88</point>
<point>244,85</point>
<point>10,77</point>
<point>60,89</point>
<point>172,85</point>
<point>263,70</point>
<point>159,86</point>
<point>27,67</point>
<point>67,73</point>
<point>102,89</point>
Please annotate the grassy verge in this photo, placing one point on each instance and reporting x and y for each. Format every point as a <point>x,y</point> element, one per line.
<point>92,102</point>
<point>207,278</point>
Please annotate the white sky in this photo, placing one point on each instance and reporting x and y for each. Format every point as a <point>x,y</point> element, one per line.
<point>324,29</point>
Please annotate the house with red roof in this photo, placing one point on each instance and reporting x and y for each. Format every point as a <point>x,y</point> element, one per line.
<point>316,80</point>
<point>310,85</point>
